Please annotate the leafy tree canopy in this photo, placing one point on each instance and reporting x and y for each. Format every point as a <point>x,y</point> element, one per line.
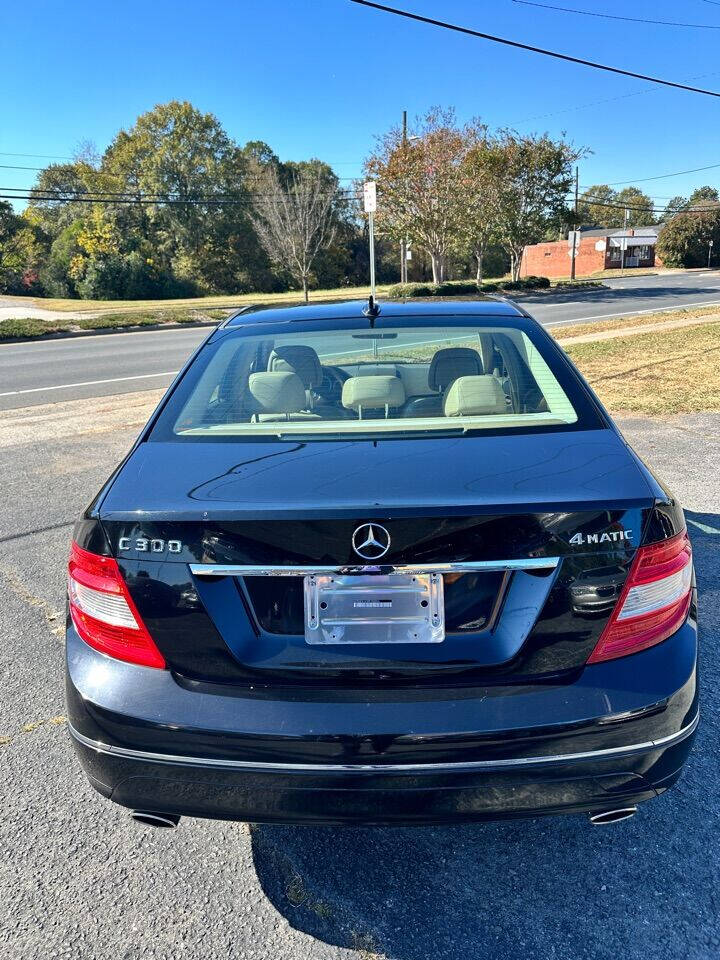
<point>684,241</point>
<point>601,206</point>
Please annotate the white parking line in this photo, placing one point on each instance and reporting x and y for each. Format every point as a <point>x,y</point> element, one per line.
<point>702,526</point>
<point>88,383</point>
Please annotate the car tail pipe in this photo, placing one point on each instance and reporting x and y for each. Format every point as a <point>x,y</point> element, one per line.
<point>612,816</point>
<point>166,821</point>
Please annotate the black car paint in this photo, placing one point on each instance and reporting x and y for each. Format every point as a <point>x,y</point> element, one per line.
<point>238,692</point>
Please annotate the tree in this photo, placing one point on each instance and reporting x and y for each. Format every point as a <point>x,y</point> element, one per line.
<point>534,176</point>
<point>190,230</point>
<point>294,219</point>
<point>684,240</point>
<point>178,152</point>
<point>56,188</point>
<point>674,206</point>
<point>479,225</point>
<point>601,206</point>
<point>423,196</point>
<point>702,196</point>
<point>595,206</point>
<point>20,252</point>
<point>639,207</point>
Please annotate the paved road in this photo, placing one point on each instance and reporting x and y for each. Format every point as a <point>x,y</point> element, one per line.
<point>77,879</point>
<point>95,366</point>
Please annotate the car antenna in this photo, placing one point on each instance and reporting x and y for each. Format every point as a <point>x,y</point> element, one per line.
<point>371,310</point>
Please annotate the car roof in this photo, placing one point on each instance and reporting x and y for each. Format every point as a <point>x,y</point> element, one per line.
<point>350,309</point>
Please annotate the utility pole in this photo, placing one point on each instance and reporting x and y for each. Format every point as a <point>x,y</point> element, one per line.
<point>371,233</point>
<point>370,206</point>
<point>575,224</point>
<point>623,241</point>
<point>403,243</point>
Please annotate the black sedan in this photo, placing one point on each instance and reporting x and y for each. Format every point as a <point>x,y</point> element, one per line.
<point>381,566</point>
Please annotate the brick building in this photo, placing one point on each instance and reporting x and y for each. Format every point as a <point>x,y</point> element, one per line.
<point>595,250</point>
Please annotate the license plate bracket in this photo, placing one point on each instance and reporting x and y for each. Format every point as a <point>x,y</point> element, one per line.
<point>374,608</point>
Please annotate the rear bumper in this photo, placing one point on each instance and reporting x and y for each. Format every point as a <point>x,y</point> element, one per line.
<point>381,796</point>
<point>619,735</point>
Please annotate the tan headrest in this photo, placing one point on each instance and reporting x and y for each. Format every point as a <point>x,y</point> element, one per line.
<point>449,364</point>
<point>475,396</point>
<point>300,359</point>
<point>277,392</point>
<point>372,393</point>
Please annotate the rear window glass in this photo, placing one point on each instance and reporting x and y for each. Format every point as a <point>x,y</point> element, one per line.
<point>403,381</point>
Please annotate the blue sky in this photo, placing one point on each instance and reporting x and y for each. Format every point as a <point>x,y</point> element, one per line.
<point>321,78</point>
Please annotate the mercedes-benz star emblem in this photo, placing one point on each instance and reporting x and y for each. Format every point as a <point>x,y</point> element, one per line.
<point>371,541</point>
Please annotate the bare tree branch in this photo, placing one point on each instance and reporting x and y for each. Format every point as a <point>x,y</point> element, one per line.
<point>294,222</point>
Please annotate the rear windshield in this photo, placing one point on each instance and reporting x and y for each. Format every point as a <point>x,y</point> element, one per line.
<point>300,381</point>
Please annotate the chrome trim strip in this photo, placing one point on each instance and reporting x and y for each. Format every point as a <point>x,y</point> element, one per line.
<point>259,570</point>
<point>516,762</point>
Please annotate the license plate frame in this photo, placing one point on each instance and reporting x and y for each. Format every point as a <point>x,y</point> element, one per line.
<point>355,609</point>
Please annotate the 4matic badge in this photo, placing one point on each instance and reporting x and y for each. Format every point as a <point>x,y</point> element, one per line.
<point>612,536</point>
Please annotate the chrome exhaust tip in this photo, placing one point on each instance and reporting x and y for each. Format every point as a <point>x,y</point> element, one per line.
<point>166,821</point>
<point>612,816</point>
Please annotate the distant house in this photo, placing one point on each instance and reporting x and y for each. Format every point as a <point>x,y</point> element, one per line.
<point>596,249</point>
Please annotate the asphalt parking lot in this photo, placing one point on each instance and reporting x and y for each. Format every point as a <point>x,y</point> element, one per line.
<point>78,879</point>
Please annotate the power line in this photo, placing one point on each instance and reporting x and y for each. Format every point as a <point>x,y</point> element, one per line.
<point>117,198</point>
<point>610,16</point>
<point>595,103</point>
<point>109,198</point>
<point>662,176</point>
<point>86,198</point>
<point>525,46</point>
<point>600,202</point>
<point>12,166</point>
<point>614,183</point>
<point>37,156</point>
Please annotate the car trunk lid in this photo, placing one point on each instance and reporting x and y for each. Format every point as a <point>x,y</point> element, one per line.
<point>550,522</point>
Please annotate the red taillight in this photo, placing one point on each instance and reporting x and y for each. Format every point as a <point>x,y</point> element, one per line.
<point>103,610</point>
<point>654,602</point>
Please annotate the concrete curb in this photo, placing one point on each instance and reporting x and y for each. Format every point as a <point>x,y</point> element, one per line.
<point>135,328</point>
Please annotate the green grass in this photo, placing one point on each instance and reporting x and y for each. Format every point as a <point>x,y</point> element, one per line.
<point>34,327</point>
<point>229,301</point>
<point>120,314</point>
<point>197,303</point>
<point>663,372</point>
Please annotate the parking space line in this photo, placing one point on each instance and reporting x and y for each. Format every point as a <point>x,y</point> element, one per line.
<point>703,526</point>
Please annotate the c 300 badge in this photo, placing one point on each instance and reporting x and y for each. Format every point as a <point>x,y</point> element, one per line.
<point>145,545</point>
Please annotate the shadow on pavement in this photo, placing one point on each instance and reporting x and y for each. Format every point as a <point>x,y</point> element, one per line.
<point>555,888</point>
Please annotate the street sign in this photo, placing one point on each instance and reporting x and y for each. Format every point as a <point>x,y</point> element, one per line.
<point>370,206</point>
<point>370,196</point>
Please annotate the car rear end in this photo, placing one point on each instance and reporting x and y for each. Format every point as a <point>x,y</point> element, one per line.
<point>271,624</point>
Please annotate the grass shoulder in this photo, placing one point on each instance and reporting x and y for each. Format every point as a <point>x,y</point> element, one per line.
<point>661,372</point>
<point>33,327</point>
